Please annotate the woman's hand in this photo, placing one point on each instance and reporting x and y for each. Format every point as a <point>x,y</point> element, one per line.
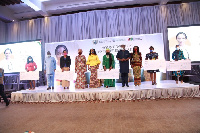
<point>110,67</point>
<point>104,68</point>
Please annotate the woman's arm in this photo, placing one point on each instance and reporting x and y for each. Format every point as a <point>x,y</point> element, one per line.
<point>35,66</point>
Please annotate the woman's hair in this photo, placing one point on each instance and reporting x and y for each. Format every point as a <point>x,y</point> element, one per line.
<point>138,50</point>
<point>29,61</point>
<point>176,46</point>
<point>59,46</point>
<point>151,47</point>
<point>8,49</point>
<point>181,33</point>
<point>94,52</point>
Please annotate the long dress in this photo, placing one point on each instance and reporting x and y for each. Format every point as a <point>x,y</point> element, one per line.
<point>178,55</point>
<point>80,69</point>
<point>107,64</point>
<point>93,61</point>
<point>136,62</point>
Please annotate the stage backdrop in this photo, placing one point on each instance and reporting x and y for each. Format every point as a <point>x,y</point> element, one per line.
<point>144,41</point>
<point>19,52</point>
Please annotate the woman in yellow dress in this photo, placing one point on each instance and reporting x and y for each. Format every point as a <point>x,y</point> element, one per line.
<point>93,64</point>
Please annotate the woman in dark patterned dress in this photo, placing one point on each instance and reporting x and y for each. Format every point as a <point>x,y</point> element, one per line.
<point>152,56</point>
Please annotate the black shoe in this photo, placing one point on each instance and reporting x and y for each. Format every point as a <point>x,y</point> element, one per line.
<point>8,102</point>
<point>127,85</point>
<point>48,88</point>
<point>123,85</point>
<point>52,88</point>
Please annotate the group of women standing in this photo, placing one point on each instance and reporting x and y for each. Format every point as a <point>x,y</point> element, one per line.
<point>136,64</point>
<point>93,63</point>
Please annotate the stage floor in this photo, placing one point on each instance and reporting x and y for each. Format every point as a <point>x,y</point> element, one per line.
<point>163,89</point>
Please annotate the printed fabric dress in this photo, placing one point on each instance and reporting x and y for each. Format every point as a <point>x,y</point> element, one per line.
<point>93,61</point>
<point>107,64</point>
<point>136,62</point>
<point>178,55</point>
<point>80,69</point>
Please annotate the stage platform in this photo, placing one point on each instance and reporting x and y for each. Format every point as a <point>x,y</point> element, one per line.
<point>164,89</point>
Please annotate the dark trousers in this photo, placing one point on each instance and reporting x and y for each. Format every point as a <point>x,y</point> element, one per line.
<point>2,93</point>
<point>124,77</point>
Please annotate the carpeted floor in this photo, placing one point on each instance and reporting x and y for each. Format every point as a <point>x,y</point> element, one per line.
<point>157,116</point>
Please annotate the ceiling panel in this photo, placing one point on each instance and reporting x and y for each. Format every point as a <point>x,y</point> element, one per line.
<point>17,8</point>
<point>9,2</point>
<point>21,10</point>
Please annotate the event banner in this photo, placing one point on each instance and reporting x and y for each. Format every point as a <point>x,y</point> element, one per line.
<point>108,74</point>
<point>178,65</point>
<point>143,41</point>
<point>31,75</point>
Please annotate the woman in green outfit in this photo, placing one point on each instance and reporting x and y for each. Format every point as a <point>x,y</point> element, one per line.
<point>108,63</point>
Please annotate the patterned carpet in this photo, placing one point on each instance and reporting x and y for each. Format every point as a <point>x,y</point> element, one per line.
<point>153,116</point>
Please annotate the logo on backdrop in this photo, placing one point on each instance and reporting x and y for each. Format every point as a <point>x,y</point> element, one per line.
<point>95,42</point>
<point>133,39</point>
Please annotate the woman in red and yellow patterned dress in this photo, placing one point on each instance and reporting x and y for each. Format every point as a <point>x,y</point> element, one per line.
<point>80,69</point>
<point>136,64</point>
